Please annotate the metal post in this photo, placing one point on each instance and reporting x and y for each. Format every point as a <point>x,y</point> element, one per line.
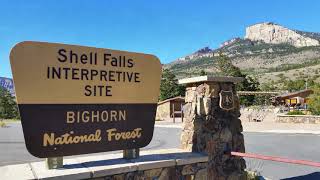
<point>131,153</point>
<point>174,120</point>
<point>182,113</point>
<point>54,162</point>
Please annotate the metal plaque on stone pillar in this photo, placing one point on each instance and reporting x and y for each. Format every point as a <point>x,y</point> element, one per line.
<point>226,100</point>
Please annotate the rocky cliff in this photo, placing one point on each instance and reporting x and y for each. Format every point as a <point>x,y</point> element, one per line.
<point>203,52</point>
<point>276,34</point>
<point>7,83</point>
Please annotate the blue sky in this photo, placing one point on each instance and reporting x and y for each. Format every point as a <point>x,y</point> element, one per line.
<point>168,29</point>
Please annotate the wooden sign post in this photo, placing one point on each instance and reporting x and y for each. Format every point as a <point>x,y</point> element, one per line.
<point>77,100</point>
<point>54,162</point>
<point>131,153</point>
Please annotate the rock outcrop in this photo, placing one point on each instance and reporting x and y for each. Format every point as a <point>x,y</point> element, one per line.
<point>204,52</point>
<point>7,84</point>
<point>227,43</point>
<point>276,34</point>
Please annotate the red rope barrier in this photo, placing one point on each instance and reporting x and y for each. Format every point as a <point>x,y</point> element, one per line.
<point>278,159</point>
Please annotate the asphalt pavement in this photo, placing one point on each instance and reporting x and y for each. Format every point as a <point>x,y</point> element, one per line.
<point>296,146</point>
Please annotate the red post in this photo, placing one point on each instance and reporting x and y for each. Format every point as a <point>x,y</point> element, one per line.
<point>278,159</point>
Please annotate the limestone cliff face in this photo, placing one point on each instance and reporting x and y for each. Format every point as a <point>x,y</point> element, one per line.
<point>276,34</point>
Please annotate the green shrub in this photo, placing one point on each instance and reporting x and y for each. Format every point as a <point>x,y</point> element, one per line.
<point>314,104</point>
<point>2,124</point>
<point>295,112</point>
<point>252,175</point>
<point>8,105</point>
<point>169,86</point>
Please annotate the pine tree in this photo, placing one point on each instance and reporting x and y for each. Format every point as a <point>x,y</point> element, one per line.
<point>203,73</point>
<point>314,104</point>
<point>8,105</point>
<point>169,86</point>
<point>226,68</point>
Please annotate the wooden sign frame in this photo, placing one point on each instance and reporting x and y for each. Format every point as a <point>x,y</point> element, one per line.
<point>77,100</point>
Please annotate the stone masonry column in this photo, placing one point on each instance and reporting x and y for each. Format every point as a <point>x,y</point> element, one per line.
<point>212,125</point>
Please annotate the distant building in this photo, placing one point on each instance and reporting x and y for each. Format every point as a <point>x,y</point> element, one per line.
<point>294,99</point>
<point>170,108</point>
<point>7,83</point>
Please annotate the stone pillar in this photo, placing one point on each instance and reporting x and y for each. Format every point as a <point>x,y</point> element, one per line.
<point>212,124</point>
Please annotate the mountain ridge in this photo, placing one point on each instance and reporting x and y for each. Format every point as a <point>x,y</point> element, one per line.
<point>252,38</point>
<point>265,47</point>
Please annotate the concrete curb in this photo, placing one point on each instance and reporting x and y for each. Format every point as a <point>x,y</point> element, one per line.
<point>280,131</point>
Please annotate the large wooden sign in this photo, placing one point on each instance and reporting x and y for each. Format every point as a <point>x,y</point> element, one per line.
<point>76,100</point>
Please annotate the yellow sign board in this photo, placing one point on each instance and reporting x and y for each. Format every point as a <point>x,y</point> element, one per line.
<point>49,73</point>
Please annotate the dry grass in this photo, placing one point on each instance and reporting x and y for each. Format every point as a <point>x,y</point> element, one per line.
<point>10,120</point>
<point>252,175</point>
<point>293,74</point>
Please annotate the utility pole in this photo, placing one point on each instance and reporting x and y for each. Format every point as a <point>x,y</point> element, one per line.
<point>307,84</point>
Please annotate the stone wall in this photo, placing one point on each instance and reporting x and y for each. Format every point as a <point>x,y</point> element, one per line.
<point>298,119</point>
<point>209,128</point>
<point>163,111</point>
<point>165,164</point>
<point>197,171</point>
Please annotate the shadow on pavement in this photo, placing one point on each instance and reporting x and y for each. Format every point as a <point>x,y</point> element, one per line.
<point>312,176</point>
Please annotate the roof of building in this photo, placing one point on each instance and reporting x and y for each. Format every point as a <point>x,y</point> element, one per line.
<point>243,93</point>
<point>302,93</point>
<point>179,98</point>
<point>201,79</point>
